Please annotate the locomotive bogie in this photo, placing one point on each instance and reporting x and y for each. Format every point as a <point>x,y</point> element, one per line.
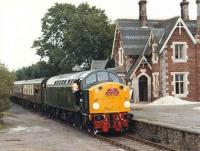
<point>116,122</point>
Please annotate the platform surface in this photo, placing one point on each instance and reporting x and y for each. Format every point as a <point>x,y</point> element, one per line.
<point>183,117</point>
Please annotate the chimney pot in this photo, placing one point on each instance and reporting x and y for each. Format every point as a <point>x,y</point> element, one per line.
<point>184,10</point>
<point>143,12</point>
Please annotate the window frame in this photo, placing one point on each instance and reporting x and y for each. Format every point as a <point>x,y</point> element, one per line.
<point>184,52</point>
<point>185,84</point>
<point>179,84</point>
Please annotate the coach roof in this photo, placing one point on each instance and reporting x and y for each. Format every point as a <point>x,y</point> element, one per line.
<point>33,81</point>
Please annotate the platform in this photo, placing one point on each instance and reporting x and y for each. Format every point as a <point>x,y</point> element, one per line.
<point>182,117</point>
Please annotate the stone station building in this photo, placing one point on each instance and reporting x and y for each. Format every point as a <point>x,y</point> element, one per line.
<point>159,57</point>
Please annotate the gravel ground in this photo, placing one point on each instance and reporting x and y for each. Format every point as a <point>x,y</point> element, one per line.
<point>29,131</point>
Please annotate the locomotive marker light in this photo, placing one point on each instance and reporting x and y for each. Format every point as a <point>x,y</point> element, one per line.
<point>96,106</point>
<point>127,104</point>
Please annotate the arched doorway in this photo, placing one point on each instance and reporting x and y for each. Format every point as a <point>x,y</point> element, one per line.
<point>143,89</point>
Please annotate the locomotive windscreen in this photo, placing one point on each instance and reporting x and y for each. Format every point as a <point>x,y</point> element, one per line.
<point>101,76</point>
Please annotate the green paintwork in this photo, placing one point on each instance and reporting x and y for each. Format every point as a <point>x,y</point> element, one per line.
<point>61,97</point>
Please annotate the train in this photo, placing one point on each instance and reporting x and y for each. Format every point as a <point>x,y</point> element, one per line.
<point>96,100</point>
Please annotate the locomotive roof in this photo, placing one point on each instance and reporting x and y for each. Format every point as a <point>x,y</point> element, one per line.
<point>33,81</point>
<point>71,76</point>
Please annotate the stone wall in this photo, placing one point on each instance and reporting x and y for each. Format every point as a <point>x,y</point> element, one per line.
<point>174,138</point>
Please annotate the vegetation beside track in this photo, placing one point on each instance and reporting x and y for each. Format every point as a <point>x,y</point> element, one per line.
<point>6,83</point>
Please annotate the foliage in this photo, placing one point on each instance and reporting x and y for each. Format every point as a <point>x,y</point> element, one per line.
<point>72,36</point>
<point>7,79</point>
<point>38,70</point>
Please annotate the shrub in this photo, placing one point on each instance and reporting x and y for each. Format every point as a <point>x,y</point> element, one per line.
<point>6,83</point>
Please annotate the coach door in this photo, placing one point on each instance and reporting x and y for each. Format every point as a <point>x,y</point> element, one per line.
<point>143,89</point>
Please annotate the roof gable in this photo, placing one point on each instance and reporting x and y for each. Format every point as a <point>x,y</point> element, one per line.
<point>170,30</point>
<point>136,65</point>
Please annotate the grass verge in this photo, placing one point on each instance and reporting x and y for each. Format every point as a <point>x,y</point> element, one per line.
<point>1,124</point>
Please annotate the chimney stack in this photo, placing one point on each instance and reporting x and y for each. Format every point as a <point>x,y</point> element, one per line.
<point>198,15</point>
<point>143,12</point>
<point>184,10</point>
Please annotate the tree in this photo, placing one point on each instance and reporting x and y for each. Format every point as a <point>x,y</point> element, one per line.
<point>7,79</point>
<point>38,70</point>
<point>72,36</point>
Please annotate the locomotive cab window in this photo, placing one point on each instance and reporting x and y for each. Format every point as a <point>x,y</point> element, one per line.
<point>91,79</point>
<point>102,76</point>
<point>114,78</point>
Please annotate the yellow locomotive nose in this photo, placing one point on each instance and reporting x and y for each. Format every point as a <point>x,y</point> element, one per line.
<point>109,97</point>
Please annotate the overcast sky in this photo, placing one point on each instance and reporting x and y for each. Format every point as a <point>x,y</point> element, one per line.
<point>21,22</point>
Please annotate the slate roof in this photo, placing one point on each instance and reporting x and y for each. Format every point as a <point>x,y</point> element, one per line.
<point>167,25</point>
<point>98,64</point>
<point>192,26</point>
<point>134,66</point>
<point>118,70</point>
<point>135,38</point>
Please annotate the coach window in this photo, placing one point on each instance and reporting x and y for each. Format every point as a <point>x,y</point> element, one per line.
<point>102,76</point>
<point>91,79</point>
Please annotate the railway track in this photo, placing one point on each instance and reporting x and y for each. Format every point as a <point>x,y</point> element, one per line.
<point>128,142</point>
<point>132,143</point>
<point>146,142</point>
<point>124,141</point>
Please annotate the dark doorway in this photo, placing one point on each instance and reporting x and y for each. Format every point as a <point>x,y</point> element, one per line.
<point>143,89</point>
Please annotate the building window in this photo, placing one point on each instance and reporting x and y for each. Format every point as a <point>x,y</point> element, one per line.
<point>179,52</point>
<point>154,54</point>
<point>156,84</point>
<point>180,83</point>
